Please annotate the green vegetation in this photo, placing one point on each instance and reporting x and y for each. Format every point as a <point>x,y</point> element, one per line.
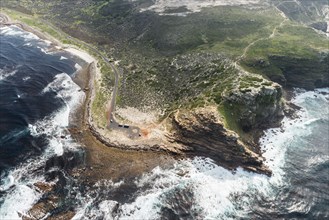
<point>98,108</point>
<point>290,40</point>
<point>238,28</point>
<point>293,57</point>
<point>172,62</point>
<point>230,115</point>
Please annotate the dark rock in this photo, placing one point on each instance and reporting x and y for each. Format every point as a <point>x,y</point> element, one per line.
<point>42,208</point>
<point>66,161</point>
<point>203,131</point>
<point>44,187</point>
<point>303,72</point>
<point>291,110</point>
<point>321,26</point>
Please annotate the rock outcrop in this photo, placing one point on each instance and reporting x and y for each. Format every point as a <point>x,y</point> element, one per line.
<point>254,107</point>
<point>202,131</point>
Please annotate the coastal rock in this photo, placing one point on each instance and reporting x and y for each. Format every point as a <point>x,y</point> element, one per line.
<point>291,109</point>
<point>254,107</point>
<point>42,208</point>
<point>66,161</point>
<point>203,131</point>
<point>44,187</point>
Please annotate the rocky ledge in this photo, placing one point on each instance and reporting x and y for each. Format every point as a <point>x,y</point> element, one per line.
<point>257,106</point>
<point>247,109</point>
<point>217,131</point>
<point>202,131</point>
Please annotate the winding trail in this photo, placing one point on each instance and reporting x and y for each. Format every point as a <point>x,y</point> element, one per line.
<point>263,38</point>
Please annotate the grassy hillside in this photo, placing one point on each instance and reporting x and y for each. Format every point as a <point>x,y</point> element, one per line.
<point>296,56</point>
<point>171,62</point>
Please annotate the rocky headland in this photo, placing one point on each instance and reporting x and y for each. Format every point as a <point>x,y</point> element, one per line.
<point>201,99</point>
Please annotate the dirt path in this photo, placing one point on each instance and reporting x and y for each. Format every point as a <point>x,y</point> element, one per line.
<point>264,38</point>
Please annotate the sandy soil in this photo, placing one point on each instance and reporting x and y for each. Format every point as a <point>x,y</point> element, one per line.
<point>137,117</point>
<point>82,54</point>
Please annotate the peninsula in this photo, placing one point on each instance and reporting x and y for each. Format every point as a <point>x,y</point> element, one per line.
<point>165,82</point>
<point>206,94</point>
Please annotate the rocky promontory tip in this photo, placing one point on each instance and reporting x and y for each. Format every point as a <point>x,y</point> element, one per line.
<point>202,131</point>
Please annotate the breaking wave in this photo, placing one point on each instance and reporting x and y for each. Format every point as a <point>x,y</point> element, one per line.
<point>200,189</point>
<point>297,153</point>
<point>38,99</point>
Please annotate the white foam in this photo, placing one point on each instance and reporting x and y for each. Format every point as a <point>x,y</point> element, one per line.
<point>30,38</point>
<point>26,78</point>
<point>28,44</point>
<point>13,30</point>
<point>57,146</point>
<point>5,73</point>
<point>20,192</point>
<point>43,50</point>
<point>18,201</point>
<point>317,160</point>
<point>214,188</point>
<point>23,195</point>
<point>104,209</point>
<point>211,185</point>
<point>63,58</point>
<point>55,125</point>
<point>67,90</point>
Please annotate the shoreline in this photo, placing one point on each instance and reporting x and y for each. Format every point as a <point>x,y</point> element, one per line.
<point>101,156</point>
<point>88,135</point>
<point>99,152</point>
<point>174,144</point>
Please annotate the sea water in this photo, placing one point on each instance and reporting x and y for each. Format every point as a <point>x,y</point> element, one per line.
<point>36,95</point>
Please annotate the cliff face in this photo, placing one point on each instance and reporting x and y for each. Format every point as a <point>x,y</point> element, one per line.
<point>254,107</point>
<point>203,132</point>
<point>307,73</point>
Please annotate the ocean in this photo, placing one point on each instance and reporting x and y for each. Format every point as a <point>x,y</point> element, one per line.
<point>36,97</point>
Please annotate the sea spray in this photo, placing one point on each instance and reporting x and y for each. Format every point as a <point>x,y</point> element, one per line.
<point>19,182</point>
<point>199,189</point>
<point>47,85</point>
